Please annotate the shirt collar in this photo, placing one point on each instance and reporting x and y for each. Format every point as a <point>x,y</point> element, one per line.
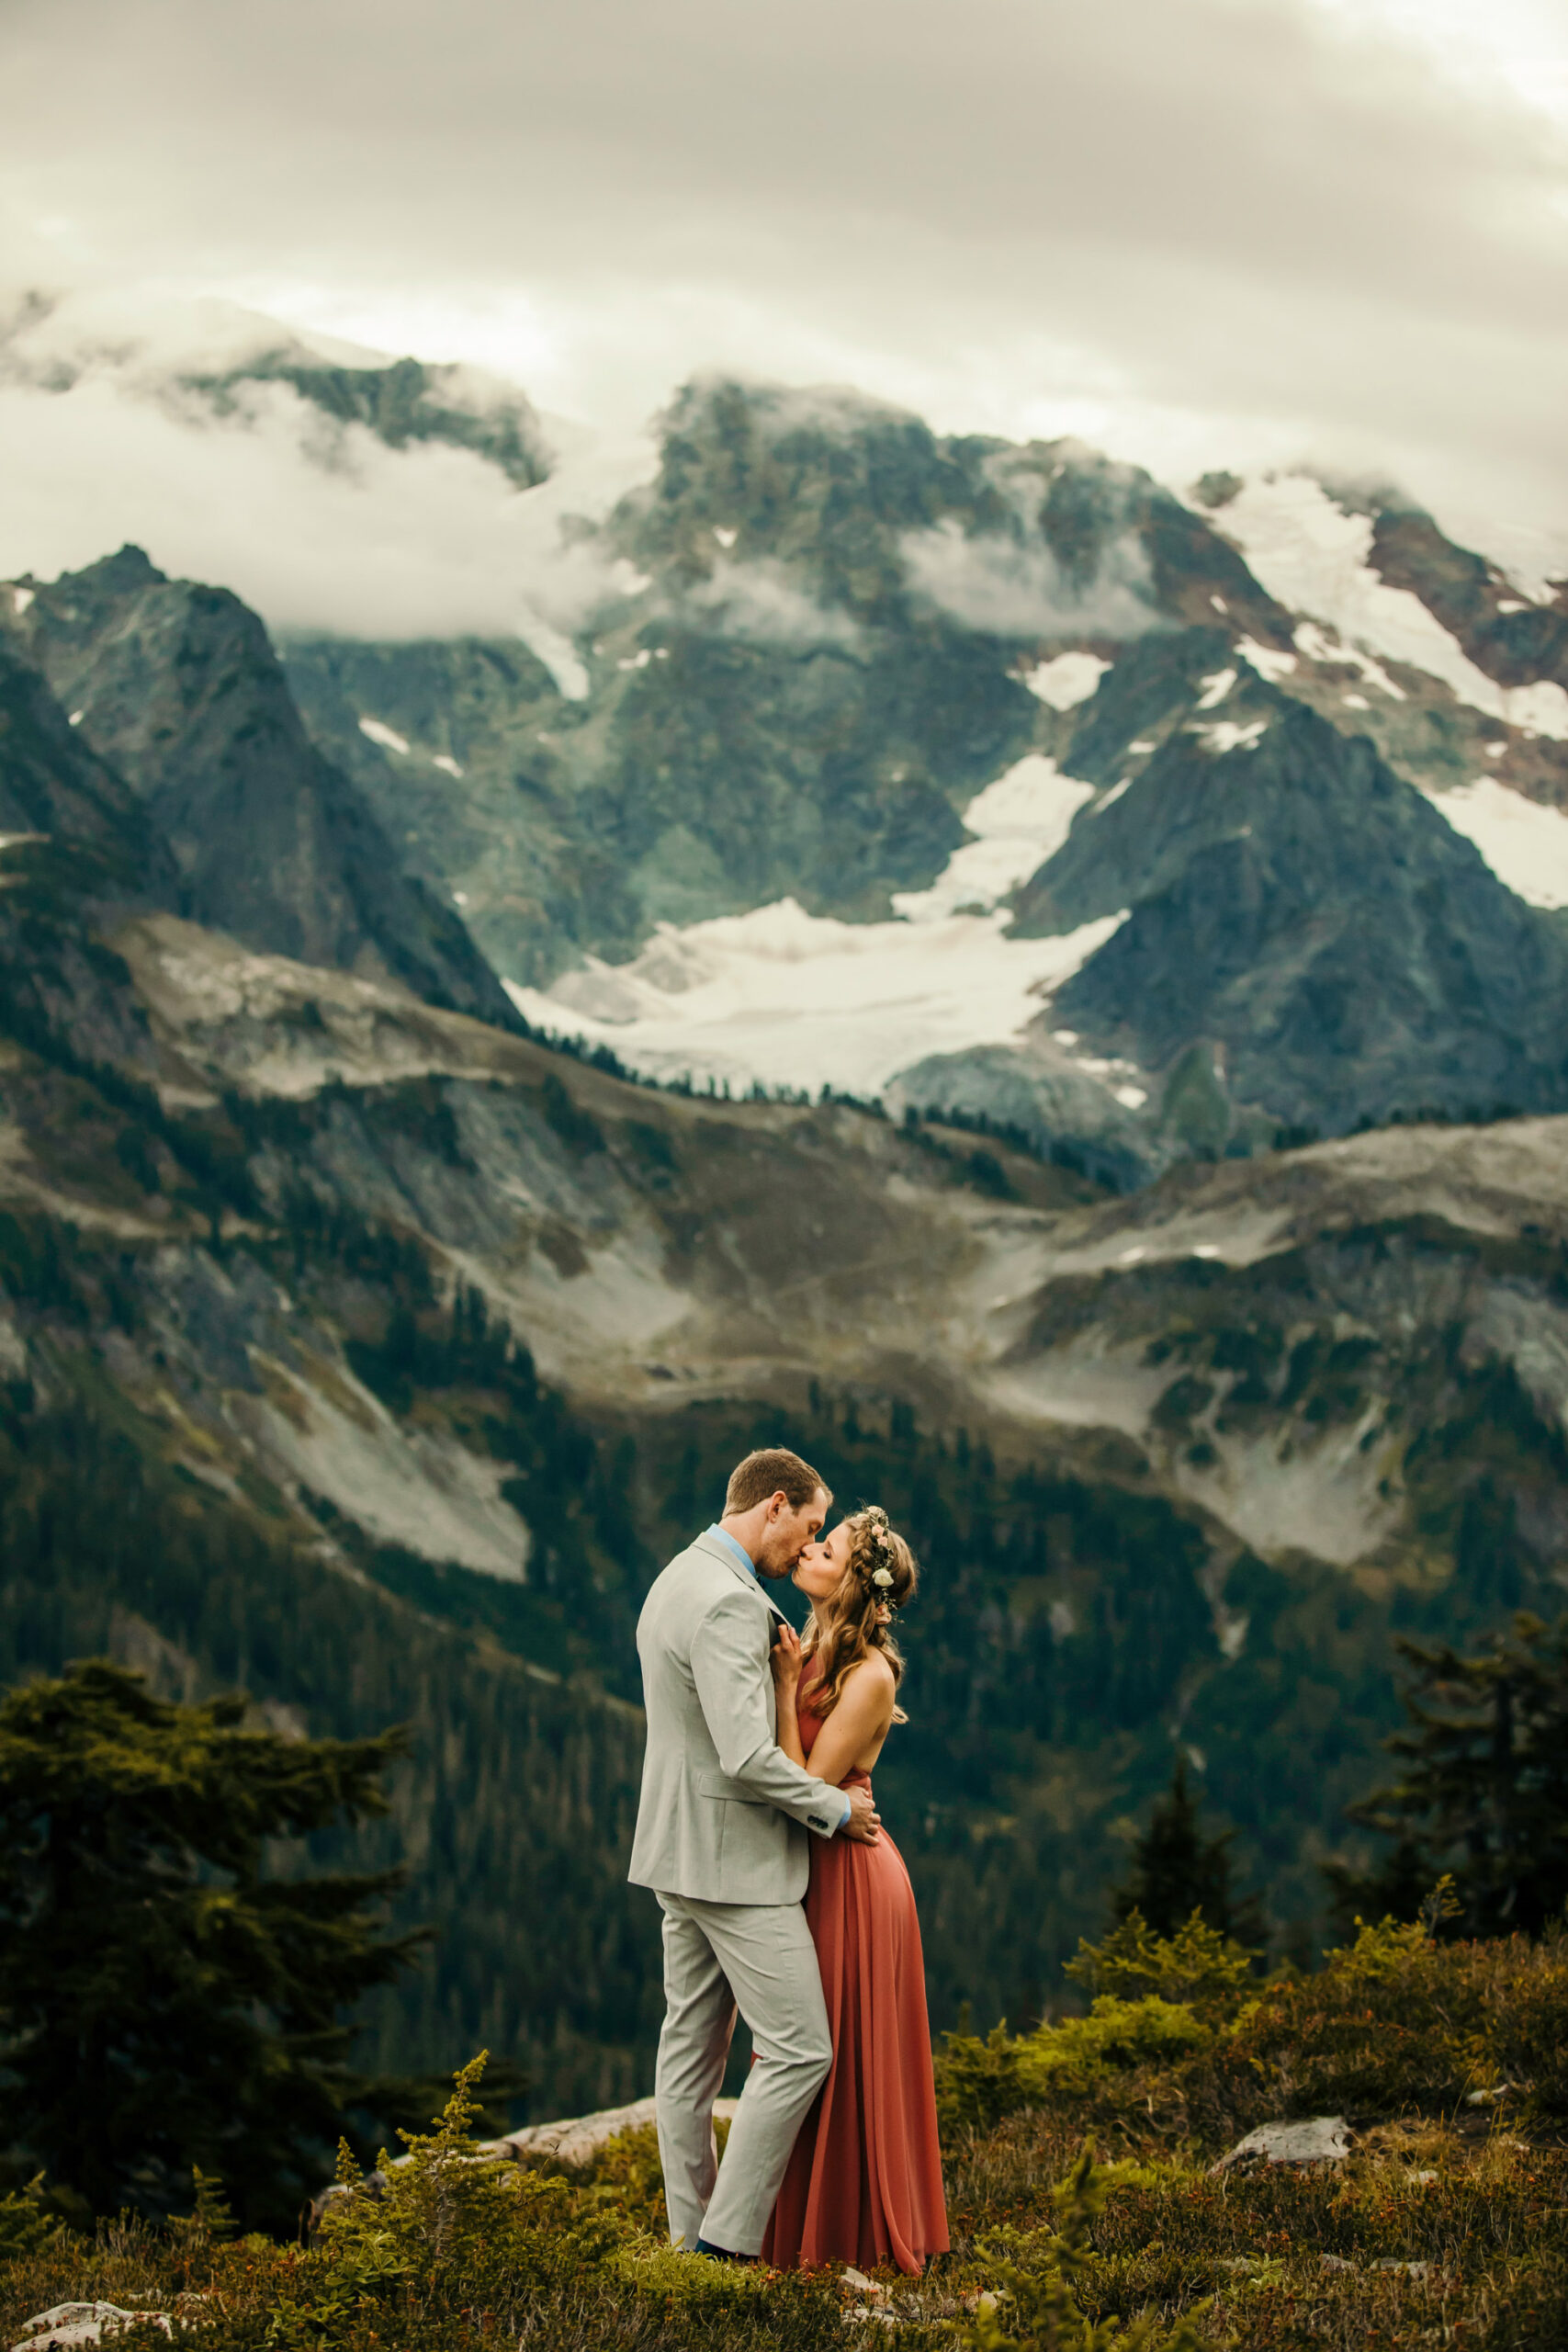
<point>746,1562</point>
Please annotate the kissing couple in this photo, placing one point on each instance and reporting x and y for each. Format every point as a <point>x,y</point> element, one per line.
<point>756,1794</point>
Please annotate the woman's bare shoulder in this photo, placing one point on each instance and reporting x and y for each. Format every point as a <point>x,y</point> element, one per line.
<point>872,1675</point>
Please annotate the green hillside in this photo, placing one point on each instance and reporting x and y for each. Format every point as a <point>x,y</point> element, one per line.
<point>1078,1616</point>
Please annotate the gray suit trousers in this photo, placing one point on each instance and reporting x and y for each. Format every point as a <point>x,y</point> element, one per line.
<point>719,1957</point>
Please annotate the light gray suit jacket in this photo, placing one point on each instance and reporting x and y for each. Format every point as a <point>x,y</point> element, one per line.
<point>722,1807</point>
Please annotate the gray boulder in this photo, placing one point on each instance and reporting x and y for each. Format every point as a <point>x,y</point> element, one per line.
<point>68,2323</point>
<point>1314,2140</point>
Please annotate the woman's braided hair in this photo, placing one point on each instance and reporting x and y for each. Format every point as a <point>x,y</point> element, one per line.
<point>879,1580</point>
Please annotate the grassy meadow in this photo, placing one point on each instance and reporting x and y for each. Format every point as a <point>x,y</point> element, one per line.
<point>1086,2208</point>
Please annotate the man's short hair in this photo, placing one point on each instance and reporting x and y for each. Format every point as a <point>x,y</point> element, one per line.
<point>772,1470</point>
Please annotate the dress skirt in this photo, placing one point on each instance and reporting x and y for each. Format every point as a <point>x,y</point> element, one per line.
<point>864,2181</point>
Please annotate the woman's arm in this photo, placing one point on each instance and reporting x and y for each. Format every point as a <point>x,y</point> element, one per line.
<point>858,1724</point>
<point>785,1661</point>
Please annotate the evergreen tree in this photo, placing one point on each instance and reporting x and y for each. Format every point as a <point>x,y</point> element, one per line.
<point>166,2000</point>
<point>1483,1793</point>
<point>1177,1871</point>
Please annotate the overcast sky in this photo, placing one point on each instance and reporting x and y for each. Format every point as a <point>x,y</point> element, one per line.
<point>1193,230</point>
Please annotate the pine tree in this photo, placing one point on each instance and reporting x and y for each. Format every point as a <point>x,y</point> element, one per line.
<point>1483,1793</point>
<point>1177,1871</point>
<point>169,2002</point>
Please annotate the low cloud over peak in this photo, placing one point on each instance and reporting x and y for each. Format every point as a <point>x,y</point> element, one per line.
<point>1012,588</point>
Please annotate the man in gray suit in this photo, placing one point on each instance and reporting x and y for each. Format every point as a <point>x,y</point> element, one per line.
<point>721,1839</point>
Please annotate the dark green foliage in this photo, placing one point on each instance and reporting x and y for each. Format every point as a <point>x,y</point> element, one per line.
<point>317,1229</point>
<point>1484,1789</point>
<point>133,1150</point>
<point>978,2082</point>
<point>103,1545</point>
<point>651,1148</point>
<point>35,1263</point>
<point>576,1128</point>
<point>464,1348</point>
<point>988,1175</point>
<point>1178,1871</point>
<point>168,1999</point>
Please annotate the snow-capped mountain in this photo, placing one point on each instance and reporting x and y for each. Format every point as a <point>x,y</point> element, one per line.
<point>993,778</point>
<point>909,766</point>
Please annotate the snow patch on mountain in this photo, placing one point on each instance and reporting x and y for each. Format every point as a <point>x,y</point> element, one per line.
<point>785,998</point>
<point>388,737</point>
<point>1070,679</point>
<point>1312,557</point>
<point>1231,735</point>
<point>1318,645</point>
<point>1524,843</point>
<point>1267,660</point>
<point>1020,821</point>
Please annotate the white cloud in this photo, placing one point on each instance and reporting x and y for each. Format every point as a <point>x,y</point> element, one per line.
<point>1014,589</point>
<point>759,602</point>
<point>316,524</point>
<point>1237,231</point>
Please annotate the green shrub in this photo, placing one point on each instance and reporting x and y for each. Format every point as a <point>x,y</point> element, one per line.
<point>1394,2023</point>
<point>977,2082</point>
<point>1205,1971</point>
<point>450,2228</point>
<point>1116,2034</point>
<point>26,2222</point>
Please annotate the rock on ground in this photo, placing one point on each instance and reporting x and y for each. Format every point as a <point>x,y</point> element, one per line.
<point>1314,2140</point>
<point>68,2323</point>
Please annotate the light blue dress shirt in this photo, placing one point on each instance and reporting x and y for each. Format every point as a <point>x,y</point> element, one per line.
<point>749,1565</point>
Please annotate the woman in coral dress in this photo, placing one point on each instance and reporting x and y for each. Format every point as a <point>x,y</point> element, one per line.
<point>865,2182</point>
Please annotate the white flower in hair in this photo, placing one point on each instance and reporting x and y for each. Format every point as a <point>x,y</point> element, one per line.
<point>883,1576</point>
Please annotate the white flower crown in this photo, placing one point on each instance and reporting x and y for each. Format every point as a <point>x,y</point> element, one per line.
<point>880,1578</point>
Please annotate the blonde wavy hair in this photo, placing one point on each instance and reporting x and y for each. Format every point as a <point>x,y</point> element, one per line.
<point>880,1577</point>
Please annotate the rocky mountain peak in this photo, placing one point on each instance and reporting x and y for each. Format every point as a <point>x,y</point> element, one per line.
<point>174,685</point>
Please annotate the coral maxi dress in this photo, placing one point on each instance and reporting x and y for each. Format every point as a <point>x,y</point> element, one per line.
<point>865,2182</point>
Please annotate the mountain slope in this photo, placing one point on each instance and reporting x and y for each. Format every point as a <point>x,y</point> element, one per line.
<point>1177,1465</point>
<point>77,853</point>
<point>1313,920</point>
<point>852,671</point>
<point>810,663</point>
<point>175,686</point>
<point>781,733</point>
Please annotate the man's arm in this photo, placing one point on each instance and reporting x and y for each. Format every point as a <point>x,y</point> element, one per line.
<point>733,1680</point>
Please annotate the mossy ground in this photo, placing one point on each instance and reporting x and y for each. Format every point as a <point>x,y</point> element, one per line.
<point>1445,2226</point>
